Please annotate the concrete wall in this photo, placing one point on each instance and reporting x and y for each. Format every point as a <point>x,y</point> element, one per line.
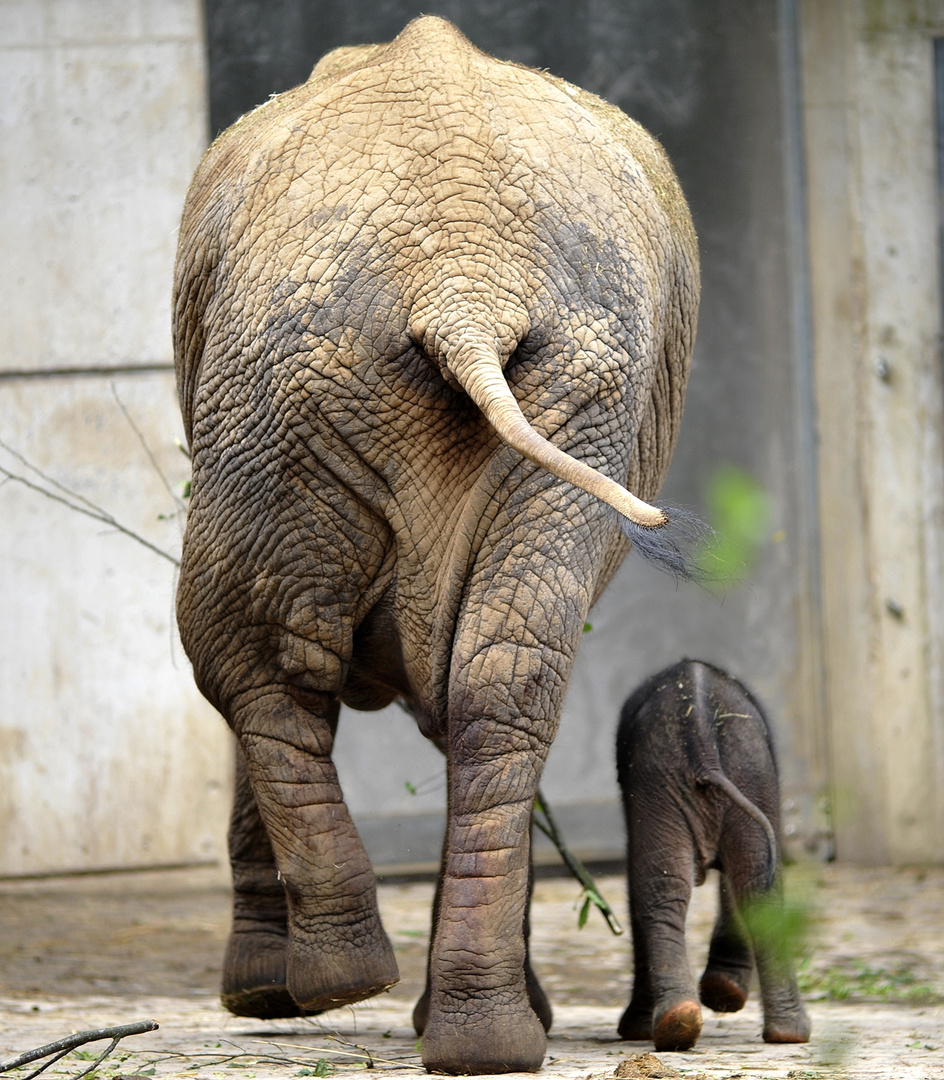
<point>108,755</point>
<point>786,121</point>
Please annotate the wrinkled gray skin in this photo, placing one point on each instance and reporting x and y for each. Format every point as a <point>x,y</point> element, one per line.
<point>700,790</point>
<point>378,273</point>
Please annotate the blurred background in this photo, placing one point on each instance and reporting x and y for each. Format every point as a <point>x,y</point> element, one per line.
<point>807,137</point>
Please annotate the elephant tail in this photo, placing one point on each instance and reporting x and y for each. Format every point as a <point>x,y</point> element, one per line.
<point>666,536</point>
<point>716,778</point>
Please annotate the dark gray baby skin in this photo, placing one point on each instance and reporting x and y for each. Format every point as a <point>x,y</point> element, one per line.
<point>700,790</point>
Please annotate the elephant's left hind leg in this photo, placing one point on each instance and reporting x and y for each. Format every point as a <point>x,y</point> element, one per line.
<point>254,964</point>
<point>336,952</point>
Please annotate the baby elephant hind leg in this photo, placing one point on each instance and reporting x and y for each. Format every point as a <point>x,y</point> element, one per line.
<point>336,951</point>
<point>762,910</point>
<point>726,980</point>
<point>660,888</point>
<point>785,1019</point>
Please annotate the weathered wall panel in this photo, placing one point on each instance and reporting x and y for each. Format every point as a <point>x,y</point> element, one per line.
<point>102,120</point>
<point>108,755</point>
<point>874,220</point>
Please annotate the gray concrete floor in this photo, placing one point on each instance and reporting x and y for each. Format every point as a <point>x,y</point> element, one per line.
<point>85,953</point>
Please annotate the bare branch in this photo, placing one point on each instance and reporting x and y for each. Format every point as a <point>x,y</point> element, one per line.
<point>81,505</point>
<point>363,1058</point>
<point>147,450</point>
<point>64,1046</point>
<point>102,514</point>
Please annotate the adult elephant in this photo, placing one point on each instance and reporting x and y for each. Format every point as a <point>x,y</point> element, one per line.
<point>431,311</point>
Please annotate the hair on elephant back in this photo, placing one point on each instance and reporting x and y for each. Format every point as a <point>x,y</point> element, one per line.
<point>698,776</point>
<point>433,322</point>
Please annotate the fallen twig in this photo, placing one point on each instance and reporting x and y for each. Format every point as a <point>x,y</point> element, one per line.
<point>361,1057</point>
<point>56,1050</point>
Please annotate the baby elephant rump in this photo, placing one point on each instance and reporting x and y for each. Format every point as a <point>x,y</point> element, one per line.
<point>699,784</point>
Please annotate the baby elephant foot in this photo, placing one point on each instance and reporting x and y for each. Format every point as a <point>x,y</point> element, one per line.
<point>254,974</point>
<point>723,991</point>
<point>678,1027</point>
<point>636,1024</point>
<point>790,1028</point>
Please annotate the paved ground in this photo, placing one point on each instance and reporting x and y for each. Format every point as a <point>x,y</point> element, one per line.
<point>97,952</point>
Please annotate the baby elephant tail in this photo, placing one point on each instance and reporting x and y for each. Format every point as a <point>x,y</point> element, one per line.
<point>717,779</point>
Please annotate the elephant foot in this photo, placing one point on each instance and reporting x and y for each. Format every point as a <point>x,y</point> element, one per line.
<point>320,977</point>
<point>536,998</point>
<point>494,1041</point>
<point>254,974</point>
<point>635,1024</point>
<point>793,1028</point>
<point>678,1027</point>
<point>722,991</point>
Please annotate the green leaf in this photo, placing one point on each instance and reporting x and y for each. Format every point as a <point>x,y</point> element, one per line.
<point>740,511</point>
<point>411,788</point>
<point>587,627</point>
<point>584,912</point>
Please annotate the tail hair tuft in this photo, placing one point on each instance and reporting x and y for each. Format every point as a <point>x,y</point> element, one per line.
<point>674,547</point>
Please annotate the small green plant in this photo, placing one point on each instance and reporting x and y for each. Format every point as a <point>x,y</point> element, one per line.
<point>322,1067</point>
<point>858,981</point>
<point>784,930</point>
<point>591,896</point>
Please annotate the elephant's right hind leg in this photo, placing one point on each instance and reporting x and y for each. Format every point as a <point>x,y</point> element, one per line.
<point>254,965</point>
<point>726,981</point>
<point>538,999</point>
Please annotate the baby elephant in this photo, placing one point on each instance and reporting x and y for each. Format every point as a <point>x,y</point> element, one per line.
<point>700,790</point>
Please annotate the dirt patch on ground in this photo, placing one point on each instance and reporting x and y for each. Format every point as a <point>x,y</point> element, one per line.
<point>75,952</point>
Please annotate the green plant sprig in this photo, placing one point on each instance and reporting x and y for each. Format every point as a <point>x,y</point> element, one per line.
<point>591,895</point>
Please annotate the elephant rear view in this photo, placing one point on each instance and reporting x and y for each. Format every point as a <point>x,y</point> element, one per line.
<point>699,783</point>
<point>433,317</point>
